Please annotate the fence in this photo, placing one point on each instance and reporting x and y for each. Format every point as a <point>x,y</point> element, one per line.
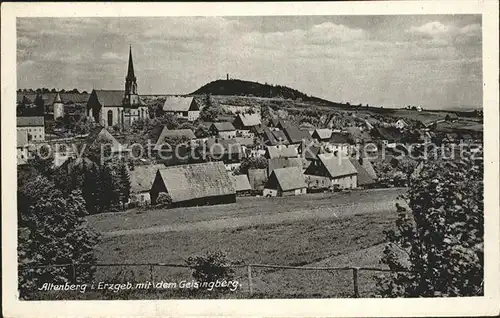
<point>71,267</point>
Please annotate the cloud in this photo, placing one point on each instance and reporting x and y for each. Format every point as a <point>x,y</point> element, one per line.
<point>430,29</point>
<point>112,56</point>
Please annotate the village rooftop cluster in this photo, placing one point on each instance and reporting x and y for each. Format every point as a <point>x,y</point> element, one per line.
<point>253,146</point>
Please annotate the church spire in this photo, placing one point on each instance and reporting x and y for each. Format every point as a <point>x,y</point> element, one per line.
<point>130,72</point>
<point>130,80</point>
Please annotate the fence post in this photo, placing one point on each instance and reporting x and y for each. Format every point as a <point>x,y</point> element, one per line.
<point>355,272</point>
<point>73,272</point>
<point>151,273</point>
<point>250,289</point>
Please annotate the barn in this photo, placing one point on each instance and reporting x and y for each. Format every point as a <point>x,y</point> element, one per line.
<point>182,106</point>
<point>194,184</point>
<point>247,121</point>
<point>285,182</point>
<point>141,180</point>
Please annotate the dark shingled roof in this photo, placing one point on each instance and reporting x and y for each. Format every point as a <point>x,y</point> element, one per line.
<point>364,177</point>
<point>340,138</point>
<point>110,98</point>
<point>196,181</point>
<point>294,134</point>
<point>30,121</point>
<point>166,133</point>
<point>278,163</point>
<point>224,126</point>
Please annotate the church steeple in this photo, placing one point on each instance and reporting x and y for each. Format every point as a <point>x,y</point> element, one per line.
<point>130,80</point>
<point>130,72</point>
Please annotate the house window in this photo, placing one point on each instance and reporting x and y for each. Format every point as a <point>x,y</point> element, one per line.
<point>142,198</point>
<point>110,118</point>
<point>184,114</point>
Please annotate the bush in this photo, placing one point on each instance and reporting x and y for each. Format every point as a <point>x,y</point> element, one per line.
<point>163,201</point>
<point>52,230</point>
<point>211,267</point>
<point>441,237</point>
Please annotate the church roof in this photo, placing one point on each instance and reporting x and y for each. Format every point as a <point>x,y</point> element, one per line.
<point>110,98</point>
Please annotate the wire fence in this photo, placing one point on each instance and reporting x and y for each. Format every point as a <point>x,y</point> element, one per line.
<point>249,272</point>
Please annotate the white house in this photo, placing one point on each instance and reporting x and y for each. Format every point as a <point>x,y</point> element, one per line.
<point>182,106</point>
<point>34,126</point>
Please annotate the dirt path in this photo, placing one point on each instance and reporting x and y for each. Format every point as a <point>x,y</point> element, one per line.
<point>263,219</point>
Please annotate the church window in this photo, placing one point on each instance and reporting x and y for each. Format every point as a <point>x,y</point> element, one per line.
<point>110,118</point>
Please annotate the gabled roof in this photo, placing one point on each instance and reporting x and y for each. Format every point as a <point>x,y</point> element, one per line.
<point>281,152</point>
<point>179,104</point>
<point>294,134</point>
<point>195,181</point>
<point>367,165</point>
<point>278,163</point>
<point>241,183</point>
<point>142,177</point>
<point>257,178</point>
<point>167,133</point>
<point>224,126</point>
<point>391,134</point>
<point>33,121</point>
<point>102,134</point>
<point>337,166</point>
<point>290,178</point>
<point>58,98</point>
<point>250,120</point>
<point>322,134</point>
<point>280,137</point>
<point>340,138</point>
<point>22,138</point>
<point>109,98</point>
<point>363,177</point>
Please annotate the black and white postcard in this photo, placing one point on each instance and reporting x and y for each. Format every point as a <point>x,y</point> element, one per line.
<point>259,159</point>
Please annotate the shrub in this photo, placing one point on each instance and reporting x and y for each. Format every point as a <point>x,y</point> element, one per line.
<point>441,237</point>
<point>163,201</point>
<point>52,230</point>
<point>211,267</point>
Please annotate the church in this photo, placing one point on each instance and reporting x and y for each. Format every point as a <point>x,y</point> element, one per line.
<point>117,108</point>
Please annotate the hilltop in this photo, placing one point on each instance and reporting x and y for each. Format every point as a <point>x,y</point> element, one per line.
<point>236,87</point>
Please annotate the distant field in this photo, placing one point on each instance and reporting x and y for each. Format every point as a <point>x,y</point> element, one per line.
<point>343,236</point>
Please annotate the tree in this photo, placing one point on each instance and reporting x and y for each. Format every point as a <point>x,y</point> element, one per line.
<point>252,163</point>
<point>442,235</point>
<point>201,132</point>
<point>124,183</point>
<point>51,230</point>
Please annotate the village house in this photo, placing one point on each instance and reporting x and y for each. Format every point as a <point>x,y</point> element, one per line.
<point>294,135</point>
<point>101,137</point>
<point>400,124</point>
<point>451,117</point>
<point>285,182</point>
<point>70,104</point>
<point>389,136</point>
<point>278,163</point>
<point>170,134</point>
<point>281,151</point>
<point>224,130</point>
<point>241,184</point>
<point>364,178</point>
<point>274,137</point>
<point>111,108</point>
<point>228,151</point>
<point>141,181</point>
<point>340,143</point>
<point>34,126</point>
<point>194,184</point>
<point>323,134</point>
<point>339,171</point>
<point>247,121</point>
<point>184,107</point>
<point>22,149</point>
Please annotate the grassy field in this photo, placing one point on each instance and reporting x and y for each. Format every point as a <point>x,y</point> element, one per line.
<point>349,239</point>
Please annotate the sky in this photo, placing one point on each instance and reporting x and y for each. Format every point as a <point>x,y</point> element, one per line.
<point>434,61</point>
